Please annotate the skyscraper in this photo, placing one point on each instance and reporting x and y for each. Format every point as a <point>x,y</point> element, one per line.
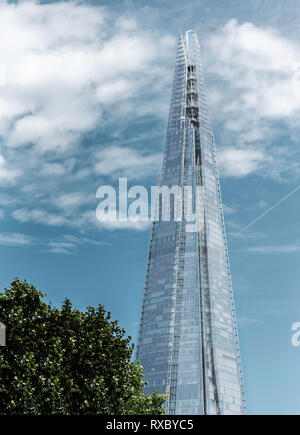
<point>188,341</point>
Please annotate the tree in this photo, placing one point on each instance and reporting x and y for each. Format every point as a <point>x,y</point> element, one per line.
<point>64,361</point>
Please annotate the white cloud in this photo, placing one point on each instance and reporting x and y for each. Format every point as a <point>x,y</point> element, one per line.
<point>65,66</point>
<point>39,216</point>
<point>248,321</point>
<point>126,23</point>
<point>137,225</point>
<point>15,239</point>
<point>229,209</point>
<point>69,217</point>
<point>274,249</point>
<point>81,240</point>
<point>6,200</point>
<point>261,65</point>
<point>69,242</point>
<point>120,89</point>
<point>127,162</point>
<point>241,162</point>
<point>66,244</point>
<point>255,75</point>
<point>89,219</point>
<point>63,63</point>
<point>262,203</point>
<point>71,201</point>
<point>7,173</point>
<point>60,247</point>
<point>53,169</point>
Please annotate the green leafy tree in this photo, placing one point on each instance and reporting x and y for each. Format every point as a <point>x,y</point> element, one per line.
<point>64,361</point>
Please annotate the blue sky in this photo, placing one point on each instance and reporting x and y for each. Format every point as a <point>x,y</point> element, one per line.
<point>84,94</point>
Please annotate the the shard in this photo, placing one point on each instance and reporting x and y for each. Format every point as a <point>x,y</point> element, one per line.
<point>188,341</point>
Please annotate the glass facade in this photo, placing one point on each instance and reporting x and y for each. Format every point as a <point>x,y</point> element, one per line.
<point>188,341</point>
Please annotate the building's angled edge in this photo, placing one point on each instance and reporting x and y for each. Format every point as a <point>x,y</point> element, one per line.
<point>188,341</point>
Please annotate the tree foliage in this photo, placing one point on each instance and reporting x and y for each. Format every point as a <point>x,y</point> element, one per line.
<point>64,361</point>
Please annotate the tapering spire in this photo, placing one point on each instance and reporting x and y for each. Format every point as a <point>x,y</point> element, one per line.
<point>188,341</point>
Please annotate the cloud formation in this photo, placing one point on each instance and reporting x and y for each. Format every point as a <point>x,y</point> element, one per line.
<point>126,162</point>
<point>262,67</point>
<point>255,93</point>
<point>7,173</point>
<point>238,162</point>
<point>15,239</point>
<point>67,69</point>
<point>67,66</point>
<point>273,249</point>
<point>62,65</point>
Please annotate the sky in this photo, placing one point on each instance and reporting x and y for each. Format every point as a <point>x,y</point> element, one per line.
<point>84,95</point>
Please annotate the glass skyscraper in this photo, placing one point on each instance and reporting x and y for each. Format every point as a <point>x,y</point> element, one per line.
<point>188,342</point>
